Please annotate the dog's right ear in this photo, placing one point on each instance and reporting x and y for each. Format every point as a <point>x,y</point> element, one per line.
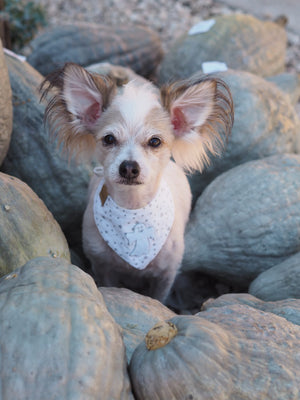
<point>201,113</point>
<point>79,100</point>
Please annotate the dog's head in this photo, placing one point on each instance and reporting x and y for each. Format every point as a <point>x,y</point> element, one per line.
<point>135,129</point>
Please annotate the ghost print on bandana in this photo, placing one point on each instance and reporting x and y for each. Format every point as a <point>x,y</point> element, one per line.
<point>138,235</point>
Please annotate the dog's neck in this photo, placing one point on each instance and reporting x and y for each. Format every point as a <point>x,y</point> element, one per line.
<point>132,196</point>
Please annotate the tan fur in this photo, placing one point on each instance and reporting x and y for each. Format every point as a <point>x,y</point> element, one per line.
<point>194,153</point>
<point>66,127</point>
<point>158,120</point>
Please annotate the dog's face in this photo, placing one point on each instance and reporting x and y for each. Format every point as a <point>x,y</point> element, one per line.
<point>135,129</point>
<point>134,136</point>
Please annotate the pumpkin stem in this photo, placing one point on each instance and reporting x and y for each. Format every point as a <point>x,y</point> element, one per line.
<point>160,335</point>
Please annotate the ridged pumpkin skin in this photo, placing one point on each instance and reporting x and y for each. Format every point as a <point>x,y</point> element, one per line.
<point>27,228</point>
<point>226,353</point>
<point>58,341</point>
<point>288,308</point>
<point>265,124</point>
<point>242,41</point>
<point>136,47</point>
<point>279,282</point>
<point>246,221</point>
<point>171,372</point>
<point>134,313</point>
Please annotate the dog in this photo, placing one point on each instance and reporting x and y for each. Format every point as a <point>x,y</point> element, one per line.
<point>145,140</point>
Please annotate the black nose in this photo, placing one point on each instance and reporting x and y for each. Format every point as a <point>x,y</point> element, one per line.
<point>129,169</point>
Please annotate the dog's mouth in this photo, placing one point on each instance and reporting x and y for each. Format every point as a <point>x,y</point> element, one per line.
<point>129,181</point>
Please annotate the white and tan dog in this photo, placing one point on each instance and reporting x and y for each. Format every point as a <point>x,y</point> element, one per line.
<point>139,200</point>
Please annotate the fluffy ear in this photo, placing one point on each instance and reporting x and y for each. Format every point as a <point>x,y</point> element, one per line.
<point>201,112</point>
<point>79,100</point>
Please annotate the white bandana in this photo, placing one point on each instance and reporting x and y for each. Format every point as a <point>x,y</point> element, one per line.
<point>138,235</point>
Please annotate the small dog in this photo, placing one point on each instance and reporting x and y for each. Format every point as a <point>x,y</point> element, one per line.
<point>139,200</point>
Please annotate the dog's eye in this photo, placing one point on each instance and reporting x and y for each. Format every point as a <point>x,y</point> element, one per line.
<point>154,142</point>
<point>109,140</point>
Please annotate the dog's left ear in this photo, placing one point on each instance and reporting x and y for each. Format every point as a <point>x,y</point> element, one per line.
<point>201,113</point>
<point>78,102</point>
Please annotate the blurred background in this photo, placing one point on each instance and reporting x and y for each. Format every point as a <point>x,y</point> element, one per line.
<point>20,20</point>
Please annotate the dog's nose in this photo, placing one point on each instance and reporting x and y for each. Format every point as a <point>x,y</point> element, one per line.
<point>129,169</point>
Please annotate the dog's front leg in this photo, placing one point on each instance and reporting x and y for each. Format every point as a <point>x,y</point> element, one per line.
<point>102,275</point>
<point>161,285</point>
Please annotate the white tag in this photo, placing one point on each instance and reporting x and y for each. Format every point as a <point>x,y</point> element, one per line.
<point>137,236</point>
<point>99,171</point>
<point>202,27</point>
<point>213,66</point>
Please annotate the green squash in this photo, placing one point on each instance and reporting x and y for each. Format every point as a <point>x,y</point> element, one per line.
<point>135,314</point>
<point>226,353</point>
<point>58,341</point>
<point>137,47</point>
<point>27,228</point>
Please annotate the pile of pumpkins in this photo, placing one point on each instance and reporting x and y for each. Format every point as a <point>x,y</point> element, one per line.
<point>64,338</point>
